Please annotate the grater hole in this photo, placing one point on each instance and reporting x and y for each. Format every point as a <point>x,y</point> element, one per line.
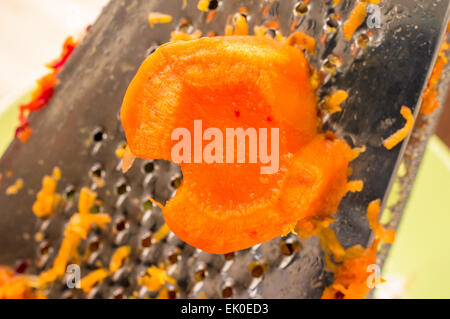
<point>147,205</point>
<point>97,171</point>
<point>339,295</point>
<point>44,248</point>
<point>121,224</point>
<point>121,277</point>
<point>256,269</point>
<point>98,135</point>
<point>69,192</point>
<point>236,16</point>
<point>148,167</point>
<point>94,245</point>
<point>94,293</point>
<point>122,187</point>
<point>289,247</point>
<point>300,8</point>
<point>44,253</point>
<point>121,147</point>
<point>68,294</point>
<point>200,273</point>
<point>146,240</point>
<point>350,139</point>
<point>172,293</point>
<point>332,23</point>
<point>332,63</point>
<point>271,32</point>
<point>176,182</point>
<point>213,4</point>
<point>185,25</point>
<point>227,291</point>
<point>150,50</point>
<point>229,256</point>
<point>21,266</point>
<point>362,40</point>
<point>118,293</point>
<point>173,257</point>
<point>95,209</point>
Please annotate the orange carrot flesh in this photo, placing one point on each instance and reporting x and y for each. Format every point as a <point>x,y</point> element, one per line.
<point>255,82</point>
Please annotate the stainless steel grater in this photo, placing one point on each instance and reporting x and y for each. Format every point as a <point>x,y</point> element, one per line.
<point>80,130</point>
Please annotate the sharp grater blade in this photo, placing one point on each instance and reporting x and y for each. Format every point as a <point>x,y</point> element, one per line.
<point>390,73</point>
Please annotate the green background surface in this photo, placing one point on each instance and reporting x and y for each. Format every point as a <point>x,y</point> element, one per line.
<point>419,261</point>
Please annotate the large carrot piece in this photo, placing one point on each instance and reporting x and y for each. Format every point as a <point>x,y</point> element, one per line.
<point>236,82</point>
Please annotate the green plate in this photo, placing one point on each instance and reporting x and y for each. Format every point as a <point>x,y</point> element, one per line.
<point>419,260</point>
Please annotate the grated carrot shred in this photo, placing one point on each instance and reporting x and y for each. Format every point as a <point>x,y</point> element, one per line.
<point>356,18</point>
<point>127,160</point>
<point>76,230</point>
<point>402,133</point>
<point>183,36</point>
<point>385,235</point>
<point>162,233</point>
<point>351,275</point>
<point>429,96</point>
<point>15,188</point>
<point>357,151</point>
<point>303,42</point>
<point>203,5</point>
<point>95,277</point>
<point>259,30</point>
<point>240,25</point>
<point>158,18</point>
<point>211,16</point>
<point>13,286</point>
<point>24,134</point>
<point>47,199</point>
<point>119,258</point>
<point>332,103</point>
<point>155,278</point>
<point>355,186</point>
<point>229,30</point>
<point>266,9</point>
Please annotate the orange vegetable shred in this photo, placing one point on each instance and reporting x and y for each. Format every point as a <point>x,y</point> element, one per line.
<point>92,279</point>
<point>15,188</point>
<point>402,133</point>
<point>44,90</point>
<point>356,18</point>
<point>303,42</point>
<point>158,18</point>
<point>429,96</point>
<point>14,286</point>
<point>47,199</point>
<point>332,103</point>
<point>119,257</point>
<point>352,272</point>
<point>76,230</point>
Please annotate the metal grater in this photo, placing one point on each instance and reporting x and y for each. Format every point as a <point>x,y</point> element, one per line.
<point>80,130</point>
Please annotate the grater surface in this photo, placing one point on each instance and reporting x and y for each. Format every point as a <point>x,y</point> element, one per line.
<point>80,130</point>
